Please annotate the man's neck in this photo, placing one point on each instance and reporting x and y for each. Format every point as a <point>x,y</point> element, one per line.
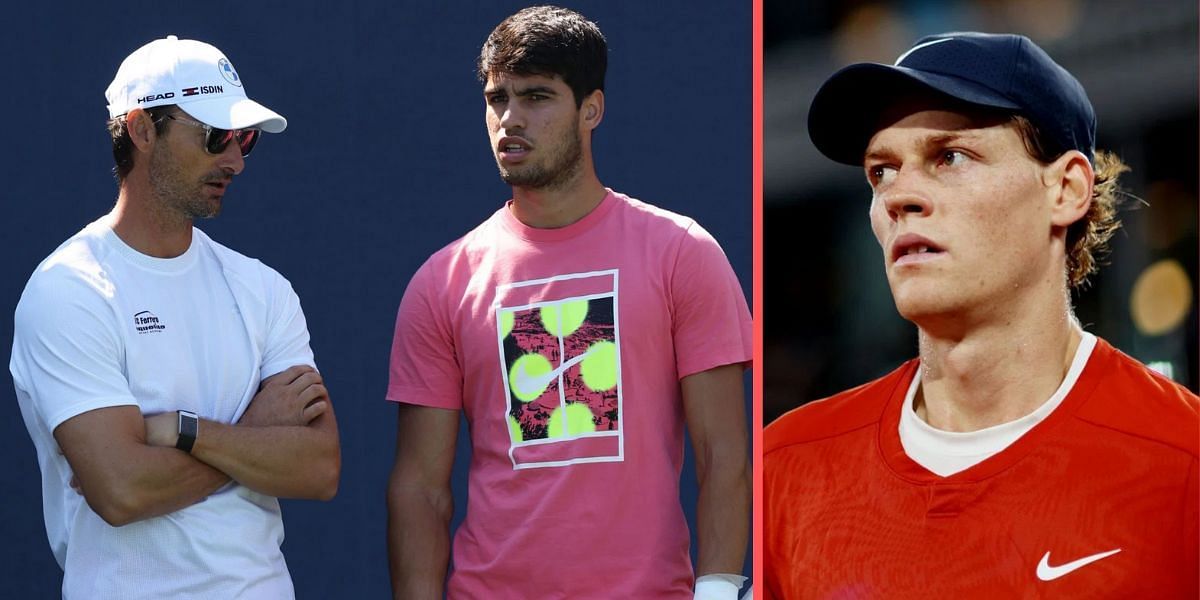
<point>141,221</point>
<point>546,208</point>
<point>999,370</point>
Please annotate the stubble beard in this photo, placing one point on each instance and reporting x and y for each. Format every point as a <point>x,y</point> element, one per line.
<point>175,196</point>
<point>556,175</point>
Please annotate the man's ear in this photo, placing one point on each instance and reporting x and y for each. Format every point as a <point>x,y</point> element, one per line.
<point>1070,179</point>
<point>591,111</point>
<point>141,129</point>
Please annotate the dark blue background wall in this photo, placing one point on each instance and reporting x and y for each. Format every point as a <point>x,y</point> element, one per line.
<point>385,160</point>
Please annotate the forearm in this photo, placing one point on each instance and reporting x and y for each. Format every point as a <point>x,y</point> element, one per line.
<point>715,411</point>
<point>124,474</point>
<point>418,540</point>
<point>723,515</point>
<point>167,480</point>
<point>150,482</point>
<point>297,461</point>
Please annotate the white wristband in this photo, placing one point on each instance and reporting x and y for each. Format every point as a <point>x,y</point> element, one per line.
<point>718,586</point>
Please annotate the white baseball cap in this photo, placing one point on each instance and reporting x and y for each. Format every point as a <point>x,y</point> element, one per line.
<point>193,75</point>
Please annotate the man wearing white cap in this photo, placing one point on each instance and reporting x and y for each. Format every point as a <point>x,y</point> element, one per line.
<point>167,381</point>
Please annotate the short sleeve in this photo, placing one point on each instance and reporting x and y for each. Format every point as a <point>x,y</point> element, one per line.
<point>424,368</point>
<point>287,342</point>
<point>67,353</point>
<point>711,323</point>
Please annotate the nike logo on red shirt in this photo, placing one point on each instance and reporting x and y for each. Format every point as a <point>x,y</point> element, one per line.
<point>1045,572</point>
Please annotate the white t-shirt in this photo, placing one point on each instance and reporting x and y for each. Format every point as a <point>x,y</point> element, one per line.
<point>948,452</point>
<point>100,324</point>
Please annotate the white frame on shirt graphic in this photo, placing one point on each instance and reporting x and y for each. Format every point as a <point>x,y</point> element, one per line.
<point>620,432</point>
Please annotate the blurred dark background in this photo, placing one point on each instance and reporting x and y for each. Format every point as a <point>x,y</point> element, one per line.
<point>829,320</point>
<point>385,160</point>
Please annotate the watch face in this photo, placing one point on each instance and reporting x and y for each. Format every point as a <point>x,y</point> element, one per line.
<point>188,426</point>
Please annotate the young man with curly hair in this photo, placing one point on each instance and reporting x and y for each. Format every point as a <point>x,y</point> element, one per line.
<point>1019,455</point>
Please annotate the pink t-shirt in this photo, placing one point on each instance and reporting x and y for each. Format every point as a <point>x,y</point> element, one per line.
<point>565,348</point>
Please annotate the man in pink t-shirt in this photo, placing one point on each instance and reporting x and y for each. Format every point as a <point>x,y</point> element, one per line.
<point>579,329</point>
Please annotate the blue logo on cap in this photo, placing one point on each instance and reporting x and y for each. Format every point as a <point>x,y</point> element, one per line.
<point>228,73</point>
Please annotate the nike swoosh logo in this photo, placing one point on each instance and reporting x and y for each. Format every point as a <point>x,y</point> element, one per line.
<point>1045,572</point>
<point>918,47</point>
<point>528,385</point>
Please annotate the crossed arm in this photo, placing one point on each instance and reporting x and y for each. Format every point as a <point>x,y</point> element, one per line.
<point>286,444</point>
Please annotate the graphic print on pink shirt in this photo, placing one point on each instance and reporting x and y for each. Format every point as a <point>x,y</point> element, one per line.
<point>558,341</point>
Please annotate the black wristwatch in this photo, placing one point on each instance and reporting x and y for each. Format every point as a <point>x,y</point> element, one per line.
<point>189,423</point>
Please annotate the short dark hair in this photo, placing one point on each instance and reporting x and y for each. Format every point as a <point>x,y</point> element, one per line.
<point>122,145</point>
<point>1087,238</point>
<point>548,41</point>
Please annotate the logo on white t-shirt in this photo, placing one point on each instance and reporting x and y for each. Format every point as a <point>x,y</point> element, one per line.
<point>145,322</point>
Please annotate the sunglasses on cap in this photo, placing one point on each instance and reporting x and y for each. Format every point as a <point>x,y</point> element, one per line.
<point>217,140</point>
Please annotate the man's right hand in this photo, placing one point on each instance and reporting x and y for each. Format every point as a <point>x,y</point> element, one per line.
<point>293,397</point>
<point>286,442</point>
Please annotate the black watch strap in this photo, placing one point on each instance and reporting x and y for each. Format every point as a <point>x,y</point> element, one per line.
<point>189,424</point>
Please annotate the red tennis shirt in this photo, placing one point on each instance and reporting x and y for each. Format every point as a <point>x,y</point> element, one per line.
<point>1099,500</point>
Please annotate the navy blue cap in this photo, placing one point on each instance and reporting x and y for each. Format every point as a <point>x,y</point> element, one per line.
<point>1001,71</point>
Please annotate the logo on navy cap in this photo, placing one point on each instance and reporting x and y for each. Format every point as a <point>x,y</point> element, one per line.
<point>918,47</point>
<point>228,73</point>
